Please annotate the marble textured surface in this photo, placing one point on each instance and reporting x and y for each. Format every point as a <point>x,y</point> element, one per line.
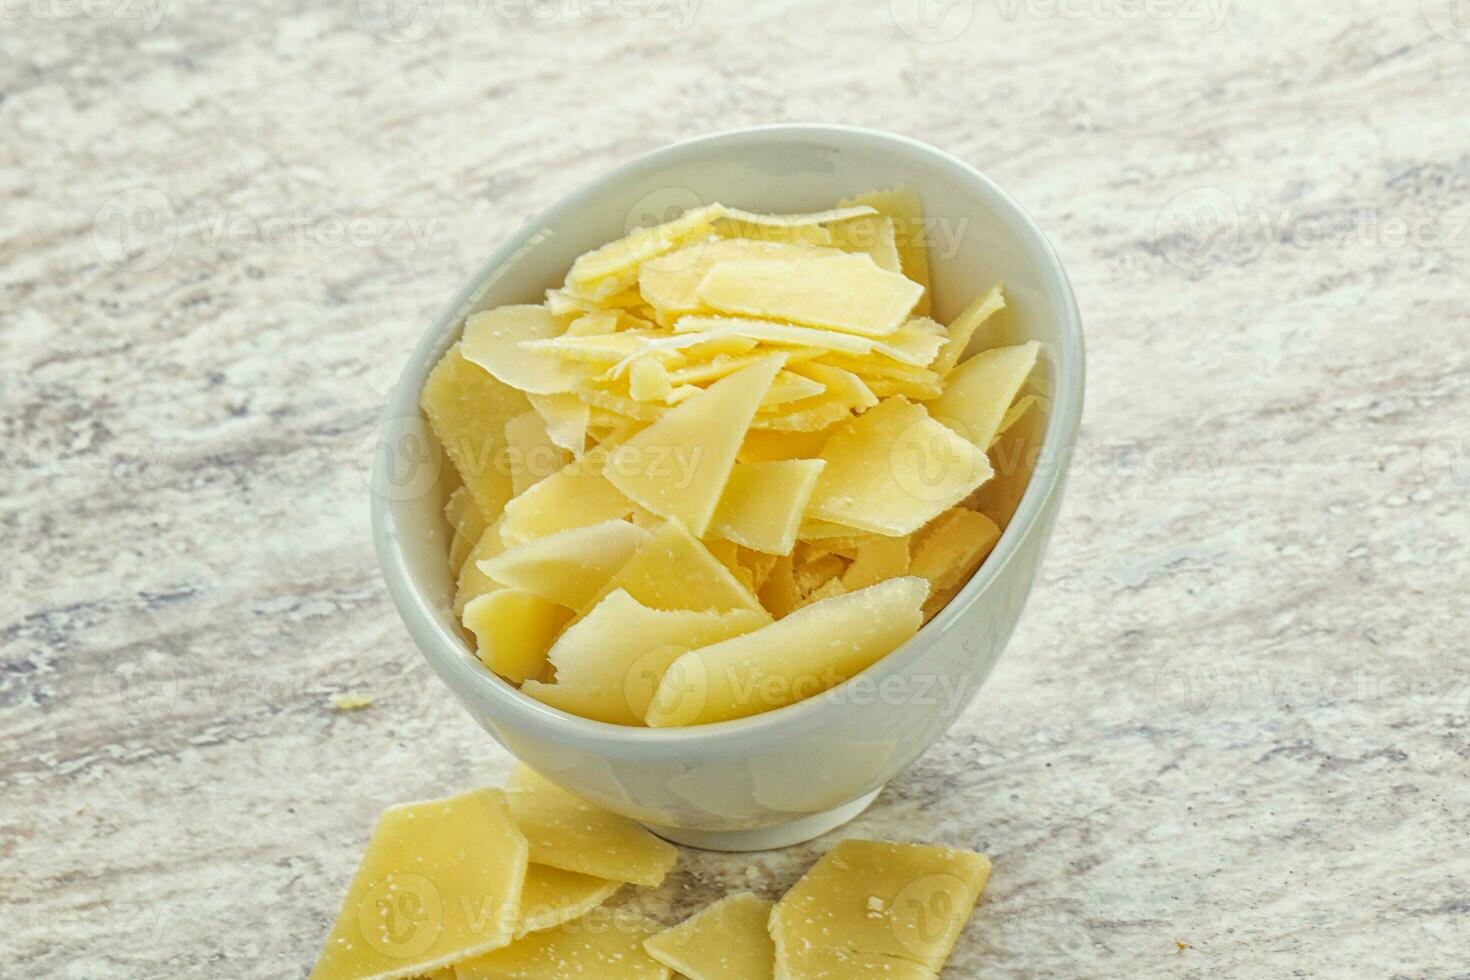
<point>1230,736</point>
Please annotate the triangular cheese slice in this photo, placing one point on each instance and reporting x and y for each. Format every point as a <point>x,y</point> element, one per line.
<point>467,409</point>
<point>566,420</point>
<point>577,495</point>
<point>906,208</point>
<point>567,832</point>
<point>440,882</point>
<point>472,581</point>
<point>605,944</point>
<point>513,630</point>
<point>531,454</point>
<point>493,341</point>
<point>963,328</point>
<point>845,292</point>
<point>978,392</point>
<point>569,568</point>
<point>678,466</point>
<point>675,570</point>
<point>609,664</point>
<point>552,896</point>
<point>609,270</point>
<point>724,941</point>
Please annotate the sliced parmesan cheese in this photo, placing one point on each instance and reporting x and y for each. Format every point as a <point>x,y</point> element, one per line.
<point>467,409</point>
<point>789,387</point>
<point>963,328</point>
<point>570,567</point>
<point>531,453</point>
<point>493,341</point>
<point>844,292</point>
<point>842,384</point>
<point>440,881</point>
<point>872,236</point>
<point>468,523</point>
<point>606,944</point>
<point>1013,414</point>
<point>801,655</point>
<point>952,546</point>
<point>903,205</point>
<point>809,962</point>
<point>613,268</point>
<point>678,466</point>
<point>979,391</point>
<point>473,582</point>
<point>724,941</point>
<point>575,496</point>
<point>879,899</point>
<point>675,570</point>
<point>565,417</point>
<point>552,896</point>
<point>878,559</point>
<point>798,220</point>
<point>609,664</point>
<point>893,469</point>
<point>671,282</point>
<point>764,445</point>
<point>567,832</point>
<point>514,629</point>
<point>762,504</point>
<point>648,380</point>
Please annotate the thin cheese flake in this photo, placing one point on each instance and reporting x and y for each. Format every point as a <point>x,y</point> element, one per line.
<point>577,495</point>
<point>606,944</point>
<point>952,546</point>
<point>567,832</point>
<point>904,206</point>
<point>493,341</point>
<point>845,292</point>
<point>552,896</point>
<point>613,268</point>
<point>440,882</point>
<point>677,467</point>
<point>801,655</point>
<point>513,630</point>
<point>762,504</point>
<point>962,329</point>
<point>569,567</point>
<point>565,417</point>
<point>724,941</point>
<point>893,469</point>
<point>675,570</point>
<point>531,453</point>
<point>609,664</point>
<point>879,899</point>
<point>980,390</point>
<point>467,409</point>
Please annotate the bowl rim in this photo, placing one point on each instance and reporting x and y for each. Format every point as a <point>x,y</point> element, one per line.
<point>448,654</point>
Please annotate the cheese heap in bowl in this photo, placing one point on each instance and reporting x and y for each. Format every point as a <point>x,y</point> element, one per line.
<point>730,463</point>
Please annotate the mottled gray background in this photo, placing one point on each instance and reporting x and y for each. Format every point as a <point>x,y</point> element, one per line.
<point>1230,736</point>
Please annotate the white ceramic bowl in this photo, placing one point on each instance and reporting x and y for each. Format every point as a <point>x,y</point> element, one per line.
<point>790,774</point>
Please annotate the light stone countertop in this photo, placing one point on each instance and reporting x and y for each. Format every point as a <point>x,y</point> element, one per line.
<point>1231,737</point>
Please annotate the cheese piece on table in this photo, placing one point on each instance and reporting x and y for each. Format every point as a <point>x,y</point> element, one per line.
<point>514,629</point>
<point>762,504</point>
<point>903,205</point>
<point>569,833</point>
<point>675,570</point>
<point>963,328</point>
<point>605,944</point>
<point>467,409</point>
<point>552,896</point>
<point>978,392</point>
<point>613,268</point>
<point>493,341</point>
<point>878,559</point>
<point>878,899</point>
<point>724,941</point>
<point>952,546</point>
<point>565,416</point>
<point>440,881</point>
<point>871,235</point>
<point>807,652</point>
<point>671,282</point>
<point>677,467</point>
<point>472,581</point>
<point>577,495</point>
<point>893,469</point>
<point>845,292</point>
<point>827,963</point>
<point>468,523</point>
<point>610,662</point>
<point>569,568</point>
<point>532,454</point>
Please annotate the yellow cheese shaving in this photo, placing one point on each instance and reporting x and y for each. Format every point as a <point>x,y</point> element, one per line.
<point>570,567</point>
<point>575,496</point>
<point>805,653</point>
<point>440,882</point>
<point>878,559</point>
<point>671,282</point>
<point>609,664</point>
<point>872,236</point>
<point>952,546</point>
<point>874,898</point>
<point>514,630</point>
<point>675,570</point>
<point>531,453</point>
<point>559,828</point>
<point>606,944</point>
<point>473,582</point>
<point>552,896</point>
<point>566,419</point>
<point>762,503</point>
<point>844,292</point>
<point>893,469</point>
<point>613,268</point>
<point>903,205</point>
<point>467,409</point>
<point>963,328</point>
<point>724,941</point>
<point>979,391</point>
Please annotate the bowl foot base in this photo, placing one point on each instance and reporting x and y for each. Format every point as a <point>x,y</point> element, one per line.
<point>797,831</point>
